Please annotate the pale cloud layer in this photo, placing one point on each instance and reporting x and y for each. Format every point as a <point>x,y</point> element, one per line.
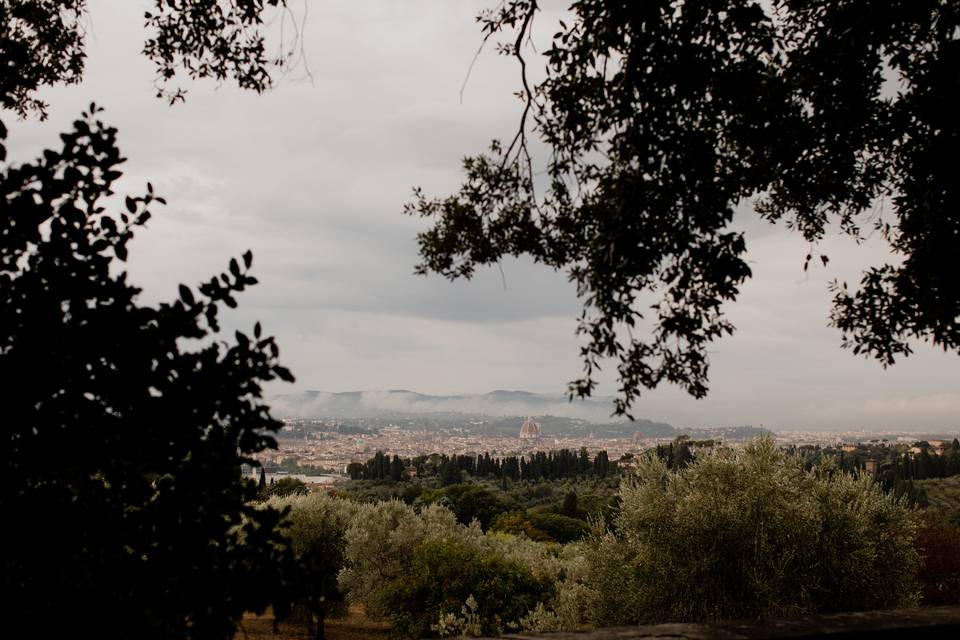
<point>312,176</point>
<point>368,403</point>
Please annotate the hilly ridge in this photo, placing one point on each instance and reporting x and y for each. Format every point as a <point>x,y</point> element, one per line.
<point>496,413</point>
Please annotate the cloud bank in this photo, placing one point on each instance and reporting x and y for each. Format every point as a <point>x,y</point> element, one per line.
<point>319,404</point>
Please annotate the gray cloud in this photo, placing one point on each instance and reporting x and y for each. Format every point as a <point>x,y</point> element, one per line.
<point>312,177</point>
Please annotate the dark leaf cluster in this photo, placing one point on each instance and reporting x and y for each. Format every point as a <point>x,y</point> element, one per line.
<point>210,39</point>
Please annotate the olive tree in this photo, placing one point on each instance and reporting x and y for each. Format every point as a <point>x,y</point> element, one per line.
<point>430,575</point>
<point>746,533</point>
<point>316,526</point>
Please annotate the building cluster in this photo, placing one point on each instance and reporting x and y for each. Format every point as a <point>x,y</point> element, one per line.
<point>334,451</point>
<point>323,448</point>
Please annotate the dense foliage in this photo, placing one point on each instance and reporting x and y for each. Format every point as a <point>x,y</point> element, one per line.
<point>125,425</point>
<point>749,533</point>
<point>447,576</point>
<point>585,499</point>
<point>731,533</point>
<point>661,117</point>
<point>420,568</point>
<point>543,526</point>
<point>469,502</point>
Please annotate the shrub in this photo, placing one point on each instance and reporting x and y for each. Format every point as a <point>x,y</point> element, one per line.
<point>388,561</point>
<point>380,543</point>
<point>469,501</point>
<point>560,528</point>
<point>517,523</point>
<point>443,575</point>
<point>285,487</point>
<point>749,533</point>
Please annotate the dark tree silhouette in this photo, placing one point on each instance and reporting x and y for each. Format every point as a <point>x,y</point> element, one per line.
<point>42,43</point>
<point>661,117</point>
<point>125,426</point>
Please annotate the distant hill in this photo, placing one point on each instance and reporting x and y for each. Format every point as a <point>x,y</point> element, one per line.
<point>496,413</point>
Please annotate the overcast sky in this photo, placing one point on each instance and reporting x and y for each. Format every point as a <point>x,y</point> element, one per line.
<point>312,177</point>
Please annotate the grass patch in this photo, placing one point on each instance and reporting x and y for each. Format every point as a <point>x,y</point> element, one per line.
<point>353,626</point>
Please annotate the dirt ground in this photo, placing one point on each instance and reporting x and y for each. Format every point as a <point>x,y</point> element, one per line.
<point>354,626</point>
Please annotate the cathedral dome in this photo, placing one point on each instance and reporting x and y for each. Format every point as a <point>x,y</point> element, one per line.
<point>530,429</point>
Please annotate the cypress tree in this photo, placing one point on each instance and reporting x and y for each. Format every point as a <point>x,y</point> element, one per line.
<point>396,469</point>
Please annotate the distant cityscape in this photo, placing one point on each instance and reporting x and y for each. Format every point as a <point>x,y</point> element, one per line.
<point>317,445</point>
